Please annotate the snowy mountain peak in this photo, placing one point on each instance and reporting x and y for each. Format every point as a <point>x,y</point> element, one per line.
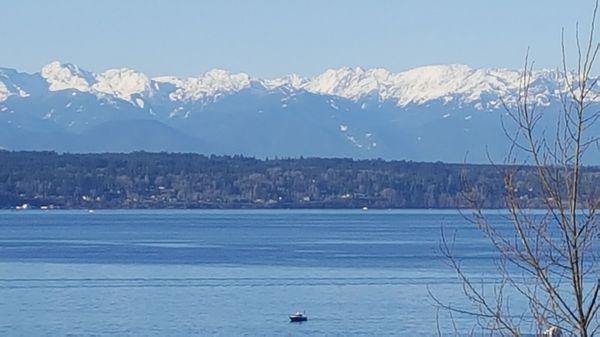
<point>211,84</point>
<point>292,81</point>
<point>349,83</point>
<point>62,76</point>
<point>436,112</point>
<point>455,82</point>
<point>439,70</point>
<point>419,85</point>
<point>224,80</point>
<point>122,83</point>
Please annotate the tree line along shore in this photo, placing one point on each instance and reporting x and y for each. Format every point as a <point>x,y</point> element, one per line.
<point>183,180</point>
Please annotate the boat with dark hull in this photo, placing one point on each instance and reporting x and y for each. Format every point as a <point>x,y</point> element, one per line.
<point>298,317</point>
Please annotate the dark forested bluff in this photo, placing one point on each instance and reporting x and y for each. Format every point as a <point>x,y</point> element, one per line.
<point>169,180</point>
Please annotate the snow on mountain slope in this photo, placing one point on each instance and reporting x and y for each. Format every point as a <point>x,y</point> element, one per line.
<point>210,84</point>
<point>351,83</point>
<point>419,85</point>
<point>293,81</point>
<point>4,93</point>
<point>9,85</point>
<point>122,83</point>
<point>426,113</point>
<point>434,82</point>
<point>458,83</point>
<point>66,76</point>
<point>119,83</point>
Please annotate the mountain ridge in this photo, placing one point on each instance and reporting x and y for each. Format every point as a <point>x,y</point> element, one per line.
<point>416,85</point>
<point>439,112</point>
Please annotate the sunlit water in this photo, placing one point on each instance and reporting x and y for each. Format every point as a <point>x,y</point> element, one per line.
<point>230,273</point>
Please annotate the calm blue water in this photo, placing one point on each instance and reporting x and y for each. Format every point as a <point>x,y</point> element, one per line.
<point>229,273</point>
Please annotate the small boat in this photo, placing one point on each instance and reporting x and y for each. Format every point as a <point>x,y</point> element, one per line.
<point>22,207</point>
<point>298,317</point>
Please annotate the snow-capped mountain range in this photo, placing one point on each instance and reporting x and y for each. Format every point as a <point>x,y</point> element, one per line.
<point>440,112</point>
<point>417,85</point>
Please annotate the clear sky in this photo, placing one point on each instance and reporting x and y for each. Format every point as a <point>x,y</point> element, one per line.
<point>272,38</point>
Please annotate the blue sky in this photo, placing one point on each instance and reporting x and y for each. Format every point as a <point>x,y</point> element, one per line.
<point>272,38</point>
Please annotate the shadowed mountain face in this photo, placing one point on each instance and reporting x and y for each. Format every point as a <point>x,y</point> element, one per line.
<point>447,113</point>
